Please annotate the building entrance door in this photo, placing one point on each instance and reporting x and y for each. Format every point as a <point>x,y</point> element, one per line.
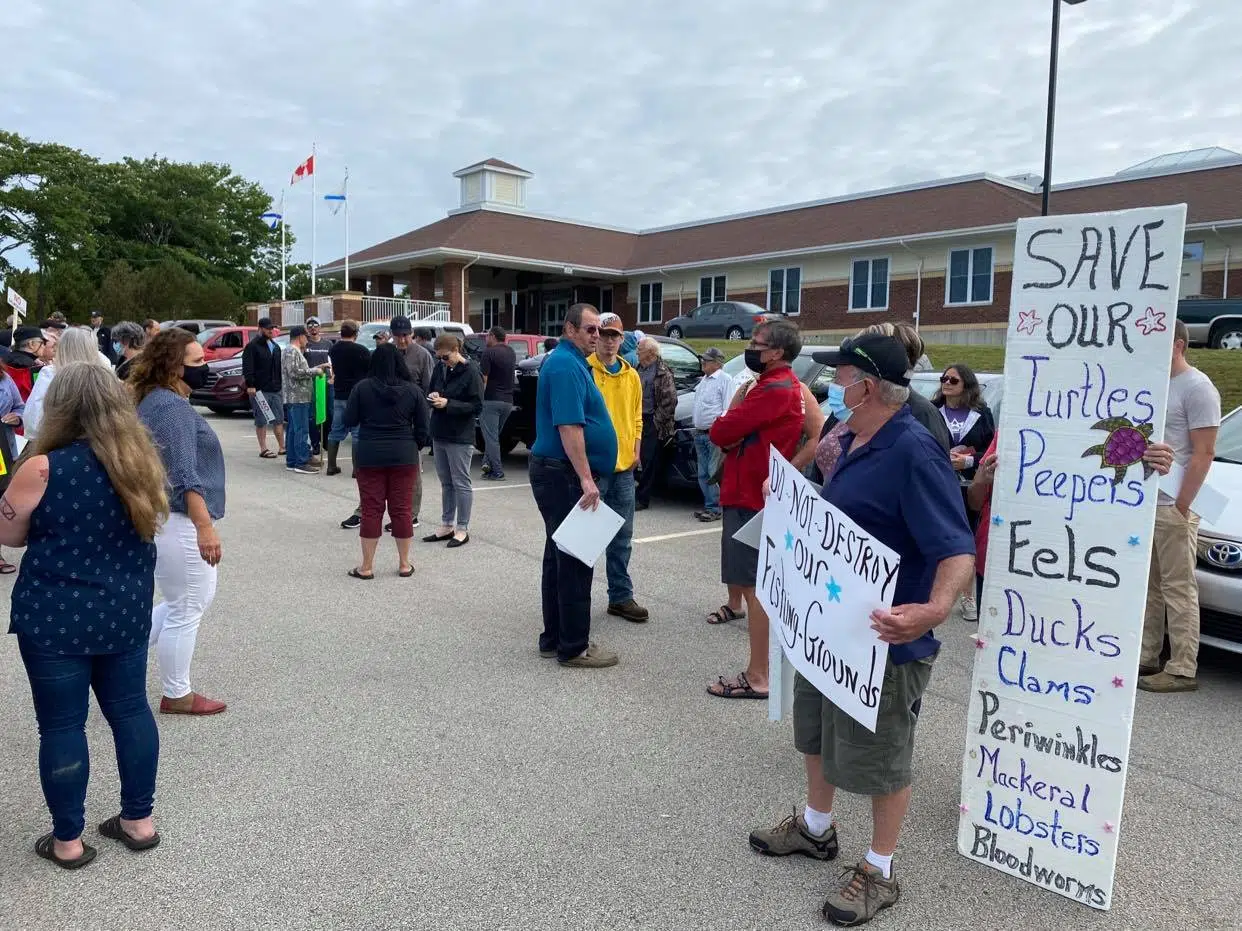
<point>554,313</point>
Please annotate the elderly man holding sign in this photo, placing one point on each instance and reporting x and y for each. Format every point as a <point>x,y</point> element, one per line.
<point>894,481</point>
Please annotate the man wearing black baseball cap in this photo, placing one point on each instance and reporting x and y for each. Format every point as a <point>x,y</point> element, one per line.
<point>895,481</point>
<point>262,373</point>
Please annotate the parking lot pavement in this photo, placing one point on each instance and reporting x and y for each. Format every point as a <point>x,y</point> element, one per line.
<point>396,755</point>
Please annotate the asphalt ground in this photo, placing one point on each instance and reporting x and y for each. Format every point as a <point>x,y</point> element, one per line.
<point>397,755</point>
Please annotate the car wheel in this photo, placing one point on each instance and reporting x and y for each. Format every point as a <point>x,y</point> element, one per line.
<point>674,332</point>
<point>1227,336</point>
<point>734,332</point>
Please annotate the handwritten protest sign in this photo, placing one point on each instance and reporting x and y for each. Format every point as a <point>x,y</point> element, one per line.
<point>820,577</point>
<point>17,302</point>
<point>1087,361</point>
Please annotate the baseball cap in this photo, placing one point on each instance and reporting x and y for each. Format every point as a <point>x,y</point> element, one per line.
<point>880,356</point>
<point>23,333</point>
<point>96,315</point>
<point>381,334</point>
<point>611,322</point>
<point>400,325</point>
<point>296,331</point>
<point>713,355</point>
<point>265,323</point>
<point>312,321</point>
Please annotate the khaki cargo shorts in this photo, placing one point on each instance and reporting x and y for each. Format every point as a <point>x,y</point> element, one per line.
<point>854,759</point>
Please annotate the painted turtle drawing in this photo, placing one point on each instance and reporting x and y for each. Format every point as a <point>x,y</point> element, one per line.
<point>1123,447</point>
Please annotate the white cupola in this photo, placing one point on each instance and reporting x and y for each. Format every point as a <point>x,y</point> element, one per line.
<point>493,183</point>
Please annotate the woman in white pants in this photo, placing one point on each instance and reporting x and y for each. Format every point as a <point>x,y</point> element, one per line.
<point>187,547</point>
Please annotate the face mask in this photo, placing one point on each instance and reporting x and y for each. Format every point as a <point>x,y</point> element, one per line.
<point>116,348</point>
<point>195,376</point>
<point>836,402</point>
<point>754,360</point>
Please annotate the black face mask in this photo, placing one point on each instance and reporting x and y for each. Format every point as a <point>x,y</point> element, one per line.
<point>195,376</point>
<point>754,360</point>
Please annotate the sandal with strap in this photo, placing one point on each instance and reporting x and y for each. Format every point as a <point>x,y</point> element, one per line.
<point>112,829</point>
<point>724,614</point>
<point>6,567</point>
<point>267,454</point>
<point>739,688</point>
<point>355,574</point>
<point>45,847</point>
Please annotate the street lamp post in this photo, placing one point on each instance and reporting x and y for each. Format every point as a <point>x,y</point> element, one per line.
<point>1052,96</point>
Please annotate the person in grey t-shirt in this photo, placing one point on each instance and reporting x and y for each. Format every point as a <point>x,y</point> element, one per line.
<point>1190,425</point>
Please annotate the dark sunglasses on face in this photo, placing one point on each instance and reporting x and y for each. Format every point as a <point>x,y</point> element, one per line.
<point>590,329</point>
<point>950,380</point>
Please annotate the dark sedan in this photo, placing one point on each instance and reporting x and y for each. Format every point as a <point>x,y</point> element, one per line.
<point>719,320</point>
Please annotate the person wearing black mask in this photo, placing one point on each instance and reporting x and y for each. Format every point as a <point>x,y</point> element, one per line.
<point>456,398</point>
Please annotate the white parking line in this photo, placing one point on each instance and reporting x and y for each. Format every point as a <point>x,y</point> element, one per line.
<point>478,488</point>
<point>676,536</point>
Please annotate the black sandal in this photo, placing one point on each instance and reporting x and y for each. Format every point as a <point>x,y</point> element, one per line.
<point>45,847</point>
<point>436,538</point>
<point>405,573</point>
<point>355,574</point>
<point>112,829</point>
<point>741,688</point>
<point>724,615</point>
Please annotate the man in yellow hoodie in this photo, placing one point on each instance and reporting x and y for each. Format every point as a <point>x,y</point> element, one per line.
<point>618,382</point>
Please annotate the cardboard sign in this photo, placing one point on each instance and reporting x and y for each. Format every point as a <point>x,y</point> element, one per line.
<point>17,302</point>
<point>820,577</point>
<point>1087,361</point>
<point>264,407</point>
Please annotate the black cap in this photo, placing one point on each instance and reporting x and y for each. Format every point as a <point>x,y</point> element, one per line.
<point>873,353</point>
<point>265,323</point>
<point>296,331</point>
<point>400,325</point>
<point>23,333</point>
<point>96,313</point>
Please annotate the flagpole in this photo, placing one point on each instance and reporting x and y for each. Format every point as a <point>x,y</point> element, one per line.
<point>345,190</point>
<point>314,204</point>
<point>283,249</point>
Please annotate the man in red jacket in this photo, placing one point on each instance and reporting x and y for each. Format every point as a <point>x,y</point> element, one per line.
<point>768,413</point>
<point>23,360</point>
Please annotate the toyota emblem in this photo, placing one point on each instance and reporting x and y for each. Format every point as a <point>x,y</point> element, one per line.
<point>1225,555</point>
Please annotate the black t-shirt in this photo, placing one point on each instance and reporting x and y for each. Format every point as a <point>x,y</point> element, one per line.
<point>499,364</point>
<point>350,364</point>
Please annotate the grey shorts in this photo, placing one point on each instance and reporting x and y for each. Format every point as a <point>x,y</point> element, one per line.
<point>278,409</point>
<point>739,563</point>
<point>854,759</point>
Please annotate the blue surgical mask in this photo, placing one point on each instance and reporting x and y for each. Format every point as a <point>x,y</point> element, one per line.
<point>116,347</point>
<point>836,402</point>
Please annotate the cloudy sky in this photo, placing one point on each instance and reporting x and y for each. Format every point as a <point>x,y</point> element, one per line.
<point>634,113</point>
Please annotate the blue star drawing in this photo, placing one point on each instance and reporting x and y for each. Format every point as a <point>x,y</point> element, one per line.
<point>997,520</point>
<point>788,539</point>
<point>1134,541</point>
<point>834,590</point>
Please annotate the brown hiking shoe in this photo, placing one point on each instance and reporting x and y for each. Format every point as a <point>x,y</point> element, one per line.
<point>1167,682</point>
<point>593,657</point>
<point>1148,670</point>
<point>630,610</point>
<point>863,894</point>
<point>791,836</point>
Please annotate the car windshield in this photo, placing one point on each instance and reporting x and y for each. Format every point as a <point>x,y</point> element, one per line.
<point>1229,438</point>
<point>204,336</point>
<point>802,365</point>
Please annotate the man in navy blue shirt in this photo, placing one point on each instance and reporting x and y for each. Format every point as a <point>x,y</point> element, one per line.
<point>895,481</point>
<point>575,443</point>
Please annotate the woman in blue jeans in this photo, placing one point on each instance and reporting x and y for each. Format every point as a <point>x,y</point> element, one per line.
<point>86,506</point>
<point>456,397</point>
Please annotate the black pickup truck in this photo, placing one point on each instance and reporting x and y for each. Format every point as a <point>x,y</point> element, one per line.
<point>1212,322</point>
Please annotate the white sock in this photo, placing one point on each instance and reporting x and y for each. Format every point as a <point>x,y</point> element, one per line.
<point>817,822</point>
<point>884,864</point>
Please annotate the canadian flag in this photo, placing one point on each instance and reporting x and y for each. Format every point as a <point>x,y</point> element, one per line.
<point>305,170</point>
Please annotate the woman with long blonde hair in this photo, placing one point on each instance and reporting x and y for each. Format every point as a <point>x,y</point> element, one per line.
<point>76,344</point>
<point>87,506</point>
<point>161,378</point>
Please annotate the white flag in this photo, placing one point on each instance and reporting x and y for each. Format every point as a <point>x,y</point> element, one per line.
<point>336,199</point>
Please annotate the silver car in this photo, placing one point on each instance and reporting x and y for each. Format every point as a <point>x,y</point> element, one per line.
<point>1220,546</point>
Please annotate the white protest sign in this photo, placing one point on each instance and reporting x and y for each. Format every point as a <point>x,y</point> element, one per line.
<point>17,302</point>
<point>1087,360</point>
<point>820,577</point>
<point>264,407</point>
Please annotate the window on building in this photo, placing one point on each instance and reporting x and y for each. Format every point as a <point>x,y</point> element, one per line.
<point>970,276</point>
<point>785,291</point>
<point>491,313</point>
<point>651,302</point>
<point>711,289</point>
<point>869,284</point>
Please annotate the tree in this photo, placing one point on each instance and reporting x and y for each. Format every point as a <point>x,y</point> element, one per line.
<point>298,283</point>
<point>119,294</point>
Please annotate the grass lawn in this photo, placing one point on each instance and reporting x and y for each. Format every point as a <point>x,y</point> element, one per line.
<point>1223,366</point>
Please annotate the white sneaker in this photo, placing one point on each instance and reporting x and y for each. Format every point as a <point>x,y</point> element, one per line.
<point>970,610</point>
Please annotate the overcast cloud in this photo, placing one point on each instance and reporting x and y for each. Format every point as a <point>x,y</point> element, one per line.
<point>634,113</point>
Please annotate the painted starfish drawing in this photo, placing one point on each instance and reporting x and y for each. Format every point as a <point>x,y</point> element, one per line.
<point>1151,322</point>
<point>834,590</point>
<point>1028,320</point>
<point>1122,448</point>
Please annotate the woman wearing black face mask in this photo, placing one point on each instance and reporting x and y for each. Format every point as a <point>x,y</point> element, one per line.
<point>187,547</point>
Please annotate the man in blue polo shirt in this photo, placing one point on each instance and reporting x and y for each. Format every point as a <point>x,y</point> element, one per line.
<point>575,443</point>
<point>894,479</point>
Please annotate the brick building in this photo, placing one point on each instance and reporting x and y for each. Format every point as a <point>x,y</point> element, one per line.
<point>938,252</point>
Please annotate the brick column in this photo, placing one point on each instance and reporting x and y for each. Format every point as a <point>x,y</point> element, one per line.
<point>423,284</point>
<point>252,314</point>
<point>457,291</point>
<point>348,305</point>
<point>357,284</point>
<point>381,285</point>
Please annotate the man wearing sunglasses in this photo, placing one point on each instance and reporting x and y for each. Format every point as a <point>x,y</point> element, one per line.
<point>575,445</point>
<point>895,481</point>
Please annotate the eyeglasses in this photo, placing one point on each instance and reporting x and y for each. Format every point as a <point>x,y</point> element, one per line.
<point>609,334</point>
<point>590,329</point>
<point>755,344</point>
<point>950,380</point>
